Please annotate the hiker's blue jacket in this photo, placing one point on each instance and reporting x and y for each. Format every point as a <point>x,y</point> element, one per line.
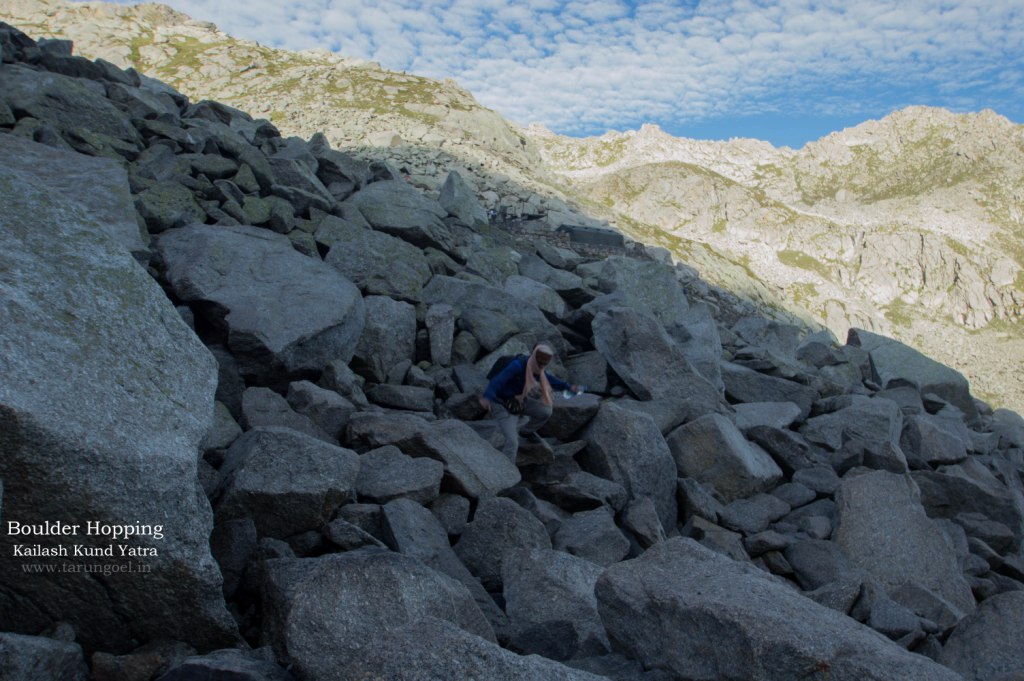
<point>510,381</point>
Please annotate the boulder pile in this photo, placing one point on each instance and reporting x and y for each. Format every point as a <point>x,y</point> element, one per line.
<point>732,498</point>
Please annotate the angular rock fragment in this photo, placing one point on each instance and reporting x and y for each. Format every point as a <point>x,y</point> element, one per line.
<point>386,473</point>
<point>472,466</point>
<point>105,397</point>
<point>499,526</point>
<point>592,535</point>
<point>892,362</point>
<point>34,657</point>
<point>884,530</point>
<point>432,648</point>
<point>639,350</point>
<point>745,385</point>
<point>628,448</point>
<point>989,642</point>
<point>379,264</point>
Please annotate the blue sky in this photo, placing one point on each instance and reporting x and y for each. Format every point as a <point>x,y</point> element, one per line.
<point>787,72</point>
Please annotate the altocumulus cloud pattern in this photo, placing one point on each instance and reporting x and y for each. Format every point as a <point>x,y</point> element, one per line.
<point>584,67</point>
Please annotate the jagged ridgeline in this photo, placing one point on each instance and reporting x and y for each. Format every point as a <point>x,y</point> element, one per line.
<point>910,227</point>
<point>240,432</point>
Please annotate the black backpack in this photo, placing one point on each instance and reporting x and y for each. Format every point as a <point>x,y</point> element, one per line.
<point>502,362</point>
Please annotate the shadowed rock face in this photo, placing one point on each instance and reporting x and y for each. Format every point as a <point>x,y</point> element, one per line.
<point>985,645</point>
<point>732,474</point>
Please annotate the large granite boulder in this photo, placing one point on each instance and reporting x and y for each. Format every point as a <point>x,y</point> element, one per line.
<point>466,296</point>
<point>712,450</point>
<point>550,602</point>
<point>166,205</point>
<point>296,181</point>
<point>699,615</point>
<point>105,396</point>
<point>283,312</point>
<point>698,337</point>
<point>459,200</point>
<point>378,263</point>
<point>471,465</point>
<point>286,481</point>
<point>875,425</point>
<point>640,352</point>
<point>567,284</point>
<point>262,407</point>
<point>592,535</point>
<point>746,385</point>
<point>25,658</point>
<point>884,530</point>
<point>386,473</point>
<point>413,530</point>
<point>68,104</point>
<point>499,526</point>
<point>321,613</point>
<point>395,207</point>
<point>893,362</point>
<point>627,447</point>
<point>341,173</point>
<point>113,208</point>
<point>535,293</point>
<point>389,336</point>
<point>927,442</point>
<point>432,648</point>
<point>648,286</point>
<point>325,408</point>
<point>971,487</point>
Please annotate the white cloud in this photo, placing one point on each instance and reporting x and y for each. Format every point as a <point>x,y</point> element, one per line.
<point>579,65</point>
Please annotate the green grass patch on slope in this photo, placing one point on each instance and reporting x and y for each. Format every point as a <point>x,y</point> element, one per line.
<point>899,313</point>
<point>806,262</point>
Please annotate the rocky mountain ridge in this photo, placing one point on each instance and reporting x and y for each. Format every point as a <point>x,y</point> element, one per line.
<point>263,356</point>
<point>910,225</point>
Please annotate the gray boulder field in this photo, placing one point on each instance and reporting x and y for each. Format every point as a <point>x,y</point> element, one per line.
<point>274,352</point>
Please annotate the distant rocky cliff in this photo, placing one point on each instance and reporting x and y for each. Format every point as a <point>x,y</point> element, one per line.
<point>262,355</point>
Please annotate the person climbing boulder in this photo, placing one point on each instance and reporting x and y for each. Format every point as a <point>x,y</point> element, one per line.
<point>523,388</point>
